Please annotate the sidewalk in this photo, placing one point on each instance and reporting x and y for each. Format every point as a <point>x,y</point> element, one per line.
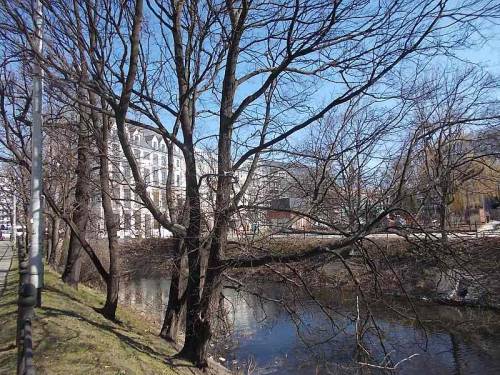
<point>5,261</point>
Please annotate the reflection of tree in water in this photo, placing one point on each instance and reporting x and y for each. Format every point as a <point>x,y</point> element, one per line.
<point>146,295</point>
<point>455,349</point>
<point>280,327</point>
<point>362,344</point>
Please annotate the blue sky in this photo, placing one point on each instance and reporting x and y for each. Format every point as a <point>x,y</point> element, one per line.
<point>488,54</point>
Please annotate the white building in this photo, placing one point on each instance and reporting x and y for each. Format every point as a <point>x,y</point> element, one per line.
<point>150,152</point>
<point>5,205</point>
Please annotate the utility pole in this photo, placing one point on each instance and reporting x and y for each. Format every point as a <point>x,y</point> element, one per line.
<point>35,253</point>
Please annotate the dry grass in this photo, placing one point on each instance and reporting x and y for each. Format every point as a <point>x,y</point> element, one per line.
<point>71,337</point>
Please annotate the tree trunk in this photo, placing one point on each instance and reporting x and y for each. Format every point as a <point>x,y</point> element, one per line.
<point>63,247</point>
<point>113,280</point>
<point>176,301</point>
<point>54,240</point>
<point>209,304</point>
<point>71,274</point>
<point>442,216</point>
<point>200,318</point>
<point>47,239</point>
<point>199,315</point>
<point>196,330</point>
<point>112,289</point>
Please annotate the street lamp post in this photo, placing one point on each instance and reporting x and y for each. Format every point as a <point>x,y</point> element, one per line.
<point>35,253</point>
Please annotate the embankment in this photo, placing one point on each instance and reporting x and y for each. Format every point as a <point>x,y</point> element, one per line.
<point>71,337</point>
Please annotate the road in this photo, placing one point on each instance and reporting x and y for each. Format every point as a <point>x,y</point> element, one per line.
<point>434,235</point>
<point>5,260</point>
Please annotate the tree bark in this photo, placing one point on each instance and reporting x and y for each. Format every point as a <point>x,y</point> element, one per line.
<point>113,280</point>
<point>200,311</point>
<point>176,301</point>
<point>54,239</point>
<point>196,329</point>
<point>443,214</point>
<point>71,274</point>
<point>47,239</point>
<point>63,246</point>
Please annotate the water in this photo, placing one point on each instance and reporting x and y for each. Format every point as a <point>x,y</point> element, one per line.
<point>300,338</point>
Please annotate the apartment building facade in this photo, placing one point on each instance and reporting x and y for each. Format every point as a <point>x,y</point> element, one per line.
<point>269,182</point>
<point>150,152</point>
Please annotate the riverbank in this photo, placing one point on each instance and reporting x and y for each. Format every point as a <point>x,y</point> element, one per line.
<point>261,326</point>
<point>466,273</point>
<point>71,337</point>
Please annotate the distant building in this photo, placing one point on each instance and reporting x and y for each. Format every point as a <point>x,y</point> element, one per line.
<point>282,216</point>
<point>5,205</point>
<point>270,183</point>
<point>150,152</point>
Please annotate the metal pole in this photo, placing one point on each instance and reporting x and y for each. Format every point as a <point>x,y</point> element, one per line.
<point>35,254</point>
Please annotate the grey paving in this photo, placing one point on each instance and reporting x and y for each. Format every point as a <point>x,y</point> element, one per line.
<point>5,261</point>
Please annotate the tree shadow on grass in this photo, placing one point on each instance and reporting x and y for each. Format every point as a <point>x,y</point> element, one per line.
<point>51,289</point>
<point>136,345</point>
<point>12,303</point>
<point>118,322</point>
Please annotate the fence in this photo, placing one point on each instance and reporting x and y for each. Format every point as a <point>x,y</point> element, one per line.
<point>25,312</point>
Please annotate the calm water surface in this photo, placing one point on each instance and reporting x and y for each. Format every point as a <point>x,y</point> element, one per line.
<point>301,339</point>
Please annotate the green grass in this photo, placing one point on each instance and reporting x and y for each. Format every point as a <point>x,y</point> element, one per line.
<point>8,313</point>
<point>71,337</point>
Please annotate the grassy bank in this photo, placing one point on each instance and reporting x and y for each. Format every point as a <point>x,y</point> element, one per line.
<point>71,337</point>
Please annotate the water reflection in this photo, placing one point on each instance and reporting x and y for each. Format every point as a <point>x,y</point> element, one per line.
<point>307,342</point>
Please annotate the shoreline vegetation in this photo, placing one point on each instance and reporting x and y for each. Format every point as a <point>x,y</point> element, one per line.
<point>72,337</point>
<point>416,268</point>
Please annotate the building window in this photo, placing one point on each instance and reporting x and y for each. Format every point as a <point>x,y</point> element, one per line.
<point>126,170</point>
<point>164,161</point>
<point>147,225</point>
<point>155,159</point>
<point>155,177</point>
<point>164,200</point>
<point>116,196</point>
<point>127,197</point>
<point>178,179</point>
<point>156,197</point>
<point>146,176</point>
<point>127,221</point>
<point>116,218</point>
<point>137,222</point>
<point>163,177</point>
<point>115,173</point>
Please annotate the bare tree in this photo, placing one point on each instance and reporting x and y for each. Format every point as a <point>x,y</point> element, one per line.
<point>454,107</point>
<point>195,64</point>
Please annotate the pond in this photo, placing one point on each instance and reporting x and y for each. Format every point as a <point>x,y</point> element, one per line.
<point>305,337</point>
